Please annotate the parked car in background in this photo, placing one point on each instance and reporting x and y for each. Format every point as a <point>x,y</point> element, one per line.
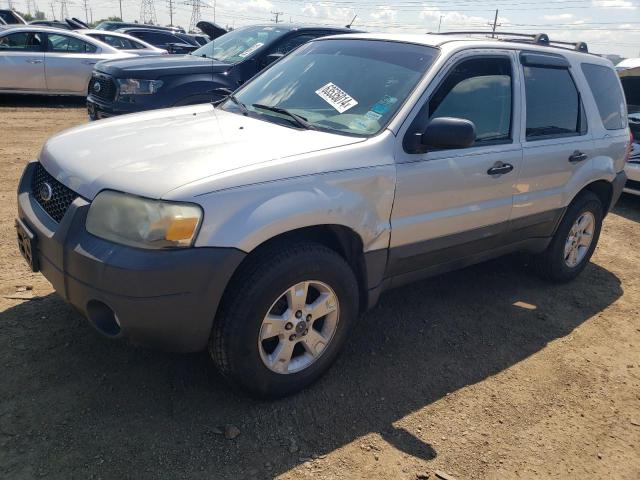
<point>208,74</point>
<point>51,23</point>
<point>173,42</point>
<point>11,17</point>
<point>119,25</point>
<point>47,60</point>
<point>629,72</point>
<point>263,227</point>
<point>124,43</point>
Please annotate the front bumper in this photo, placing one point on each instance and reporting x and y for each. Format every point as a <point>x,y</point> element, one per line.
<point>161,298</point>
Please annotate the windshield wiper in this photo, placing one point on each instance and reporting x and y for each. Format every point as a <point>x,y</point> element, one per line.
<point>300,121</point>
<point>243,107</point>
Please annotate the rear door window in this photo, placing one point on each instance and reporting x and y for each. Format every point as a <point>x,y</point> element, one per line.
<point>554,108</point>
<point>120,43</point>
<point>606,91</point>
<point>66,44</point>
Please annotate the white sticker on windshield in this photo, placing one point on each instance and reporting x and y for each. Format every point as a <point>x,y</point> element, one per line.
<point>336,97</point>
<point>251,49</point>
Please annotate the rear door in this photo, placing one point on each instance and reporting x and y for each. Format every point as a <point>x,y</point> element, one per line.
<point>557,146</point>
<point>69,62</point>
<point>22,62</point>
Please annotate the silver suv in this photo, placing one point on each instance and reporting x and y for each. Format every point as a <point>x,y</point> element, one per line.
<point>263,227</point>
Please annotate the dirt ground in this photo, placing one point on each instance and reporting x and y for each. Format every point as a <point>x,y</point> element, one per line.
<point>484,373</point>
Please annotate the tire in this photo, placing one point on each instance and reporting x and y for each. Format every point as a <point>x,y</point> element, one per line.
<point>259,288</point>
<point>552,264</point>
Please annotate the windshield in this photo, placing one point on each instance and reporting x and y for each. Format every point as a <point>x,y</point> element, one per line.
<point>345,86</point>
<point>237,45</point>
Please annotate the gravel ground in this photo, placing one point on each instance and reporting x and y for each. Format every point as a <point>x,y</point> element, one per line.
<point>482,373</point>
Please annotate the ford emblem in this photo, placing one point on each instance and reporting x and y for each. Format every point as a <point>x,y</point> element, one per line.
<point>45,192</point>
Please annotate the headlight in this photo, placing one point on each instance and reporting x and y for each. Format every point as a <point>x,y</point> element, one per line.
<point>141,222</point>
<point>131,86</point>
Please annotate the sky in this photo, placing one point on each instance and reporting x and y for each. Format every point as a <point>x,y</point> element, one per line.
<point>608,26</point>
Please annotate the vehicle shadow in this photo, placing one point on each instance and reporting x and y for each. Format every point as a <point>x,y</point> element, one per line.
<point>628,207</point>
<point>42,101</point>
<point>73,404</point>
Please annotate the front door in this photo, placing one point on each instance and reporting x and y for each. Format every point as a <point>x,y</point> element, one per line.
<point>448,203</point>
<point>22,62</point>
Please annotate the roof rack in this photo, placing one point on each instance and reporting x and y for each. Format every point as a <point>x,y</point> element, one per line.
<point>531,38</point>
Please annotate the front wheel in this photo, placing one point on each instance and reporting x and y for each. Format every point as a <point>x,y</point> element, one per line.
<point>284,319</point>
<point>574,241</point>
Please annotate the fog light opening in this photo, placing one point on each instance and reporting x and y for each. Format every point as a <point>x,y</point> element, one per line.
<point>103,318</point>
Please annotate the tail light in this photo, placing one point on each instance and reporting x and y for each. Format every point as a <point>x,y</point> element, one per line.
<point>627,154</point>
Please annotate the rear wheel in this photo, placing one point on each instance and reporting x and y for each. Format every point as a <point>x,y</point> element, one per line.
<point>284,319</point>
<point>574,242</point>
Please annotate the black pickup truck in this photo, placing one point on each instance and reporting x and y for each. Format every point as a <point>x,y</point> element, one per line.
<point>208,74</point>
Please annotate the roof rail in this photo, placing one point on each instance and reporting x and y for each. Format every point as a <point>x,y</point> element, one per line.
<point>532,38</point>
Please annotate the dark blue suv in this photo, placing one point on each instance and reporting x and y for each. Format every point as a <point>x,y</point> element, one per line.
<point>208,74</point>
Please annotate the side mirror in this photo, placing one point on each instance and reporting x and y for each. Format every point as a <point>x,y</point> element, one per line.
<point>442,132</point>
<point>448,132</point>
<point>272,58</point>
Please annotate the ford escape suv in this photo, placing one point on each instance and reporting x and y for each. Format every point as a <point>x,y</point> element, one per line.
<point>262,227</point>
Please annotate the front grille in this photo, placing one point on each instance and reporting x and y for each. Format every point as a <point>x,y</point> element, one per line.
<point>105,91</point>
<point>61,196</point>
<point>633,185</point>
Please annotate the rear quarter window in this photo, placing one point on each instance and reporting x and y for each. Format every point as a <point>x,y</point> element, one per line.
<point>607,93</point>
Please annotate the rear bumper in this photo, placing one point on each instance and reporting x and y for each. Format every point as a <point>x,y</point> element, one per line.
<point>618,186</point>
<point>165,299</point>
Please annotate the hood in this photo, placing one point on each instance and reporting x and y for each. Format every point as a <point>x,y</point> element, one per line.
<point>153,153</point>
<point>156,67</point>
<point>76,24</point>
<point>211,29</point>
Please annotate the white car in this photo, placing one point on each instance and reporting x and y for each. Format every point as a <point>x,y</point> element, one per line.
<point>633,165</point>
<point>42,60</point>
<point>124,43</point>
<point>629,73</point>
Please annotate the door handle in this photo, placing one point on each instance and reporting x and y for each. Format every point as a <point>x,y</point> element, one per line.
<point>500,169</point>
<point>88,62</point>
<point>578,156</point>
<point>32,60</point>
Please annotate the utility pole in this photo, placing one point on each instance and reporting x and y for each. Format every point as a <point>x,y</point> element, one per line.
<point>494,25</point>
<point>121,19</point>
<point>440,23</point>
<point>172,9</point>
<point>277,14</point>
<point>53,12</point>
<point>86,10</point>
